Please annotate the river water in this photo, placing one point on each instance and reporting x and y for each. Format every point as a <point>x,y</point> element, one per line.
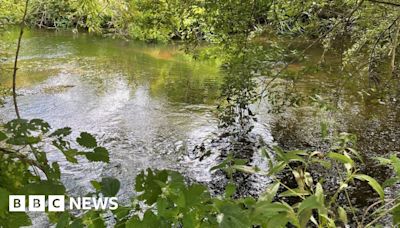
<point>150,105</point>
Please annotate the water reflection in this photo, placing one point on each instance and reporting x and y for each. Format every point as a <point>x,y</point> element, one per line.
<point>145,103</point>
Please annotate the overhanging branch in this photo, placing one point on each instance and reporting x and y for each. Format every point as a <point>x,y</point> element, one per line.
<point>386,3</point>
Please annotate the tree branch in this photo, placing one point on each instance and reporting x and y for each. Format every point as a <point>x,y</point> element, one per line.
<point>21,157</point>
<point>386,3</point>
<point>14,83</point>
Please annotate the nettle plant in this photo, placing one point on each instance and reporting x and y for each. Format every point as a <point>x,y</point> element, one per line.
<point>25,168</point>
<point>165,199</point>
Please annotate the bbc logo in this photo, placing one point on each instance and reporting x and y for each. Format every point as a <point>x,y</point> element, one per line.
<point>17,203</point>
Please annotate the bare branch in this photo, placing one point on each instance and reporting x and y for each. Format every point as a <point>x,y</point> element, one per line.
<point>14,84</point>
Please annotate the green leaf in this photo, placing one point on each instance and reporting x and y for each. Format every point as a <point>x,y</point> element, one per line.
<point>2,136</point>
<point>277,168</point>
<point>342,215</point>
<point>3,201</point>
<point>149,186</point>
<point>63,221</point>
<point>17,219</point>
<point>92,219</point>
<point>270,193</point>
<point>396,214</point>
<point>61,132</point>
<point>70,155</point>
<point>87,140</point>
<point>309,203</point>
<point>78,223</point>
<point>294,192</point>
<point>340,157</point>
<point>247,169</point>
<point>99,154</point>
<point>110,186</point>
<point>373,183</point>
<point>44,188</point>
<point>149,220</point>
<point>230,190</point>
<point>232,216</point>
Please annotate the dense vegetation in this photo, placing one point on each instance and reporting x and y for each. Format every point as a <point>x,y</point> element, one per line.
<point>246,37</point>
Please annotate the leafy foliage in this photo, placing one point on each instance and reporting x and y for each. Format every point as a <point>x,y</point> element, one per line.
<point>26,170</point>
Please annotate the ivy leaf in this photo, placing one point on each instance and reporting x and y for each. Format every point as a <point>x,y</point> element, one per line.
<point>87,140</point>
<point>109,186</point>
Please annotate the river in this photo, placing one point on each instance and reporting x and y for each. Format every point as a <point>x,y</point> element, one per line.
<point>151,105</point>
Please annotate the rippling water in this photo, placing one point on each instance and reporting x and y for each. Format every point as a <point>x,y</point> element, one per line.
<point>148,104</point>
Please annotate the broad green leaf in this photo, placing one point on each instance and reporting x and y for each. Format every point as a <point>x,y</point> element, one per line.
<point>233,216</point>
<point>373,183</point>
<point>309,203</point>
<point>44,188</point>
<point>267,209</point>
<point>16,219</point>
<point>63,221</point>
<point>70,155</point>
<point>86,140</point>
<point>230,190</point>
<point>270,193</point>
<point>149,220</point>
<point>340,157</point>
<point>77,223</point>
<point>99,154</point>
<point>109,186</point>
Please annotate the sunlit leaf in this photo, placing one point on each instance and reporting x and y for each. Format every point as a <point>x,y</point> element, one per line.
<point>373,183</point>
<point>86,140</point>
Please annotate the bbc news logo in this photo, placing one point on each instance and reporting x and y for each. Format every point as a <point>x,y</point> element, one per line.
<point>56,203</point>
